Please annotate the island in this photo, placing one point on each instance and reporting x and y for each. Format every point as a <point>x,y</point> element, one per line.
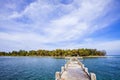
<point>56,52</point>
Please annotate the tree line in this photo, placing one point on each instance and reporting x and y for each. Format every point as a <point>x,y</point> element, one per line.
<point>57,52</point>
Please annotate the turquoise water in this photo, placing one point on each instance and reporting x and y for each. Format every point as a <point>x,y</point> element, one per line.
<point>37,68</point>
<point>105,68</point>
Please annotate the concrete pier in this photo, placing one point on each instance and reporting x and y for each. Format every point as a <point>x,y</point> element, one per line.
<point>74,70</point>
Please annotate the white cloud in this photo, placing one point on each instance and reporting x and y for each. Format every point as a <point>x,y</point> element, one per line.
<point>55,23</point>
<point>112,47</point>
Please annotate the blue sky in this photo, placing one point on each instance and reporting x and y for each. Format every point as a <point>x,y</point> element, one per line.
<point>51,24</point>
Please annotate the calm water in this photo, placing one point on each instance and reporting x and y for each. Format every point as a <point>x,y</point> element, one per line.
<point>37,68</point>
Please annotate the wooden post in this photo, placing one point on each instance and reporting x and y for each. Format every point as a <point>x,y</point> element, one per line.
<point>83,66</point>
<point>79,63</point>
<point>62,69</point>
<point>86,70</point>
<point>92,76</point>
<point>57,76</point>
<point>66,65</point>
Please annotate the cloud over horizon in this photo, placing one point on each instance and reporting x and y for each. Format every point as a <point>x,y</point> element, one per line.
<point>51,24</point>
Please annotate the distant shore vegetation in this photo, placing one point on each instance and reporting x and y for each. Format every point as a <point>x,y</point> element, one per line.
<point>57,52</point>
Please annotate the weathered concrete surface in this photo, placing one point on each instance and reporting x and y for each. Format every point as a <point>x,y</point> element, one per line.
<point>74,72</point>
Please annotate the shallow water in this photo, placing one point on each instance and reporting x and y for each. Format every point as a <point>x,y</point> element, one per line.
<point>37,68</point>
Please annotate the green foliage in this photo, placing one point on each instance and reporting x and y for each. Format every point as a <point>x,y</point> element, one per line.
<point>57,52</point>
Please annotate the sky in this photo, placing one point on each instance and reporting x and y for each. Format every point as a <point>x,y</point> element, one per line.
<point>64,24</point>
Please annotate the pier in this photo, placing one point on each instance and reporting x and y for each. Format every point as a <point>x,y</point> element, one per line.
<point>74,70</point>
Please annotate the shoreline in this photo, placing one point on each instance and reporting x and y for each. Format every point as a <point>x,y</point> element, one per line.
<point>93,56</point>
<point>60,56</point>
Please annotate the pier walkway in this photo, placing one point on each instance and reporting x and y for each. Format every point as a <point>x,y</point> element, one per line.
<point>74,70</point>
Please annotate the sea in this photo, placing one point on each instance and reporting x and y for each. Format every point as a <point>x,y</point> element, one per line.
<point>44,68</point>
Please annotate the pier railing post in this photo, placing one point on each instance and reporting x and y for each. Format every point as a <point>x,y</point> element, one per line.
<point>92,76</point>
<point>57,76</point>
<point>86,70</point>
<point>66,65</point>
<point>83,66</point>
<point>62,69</point>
